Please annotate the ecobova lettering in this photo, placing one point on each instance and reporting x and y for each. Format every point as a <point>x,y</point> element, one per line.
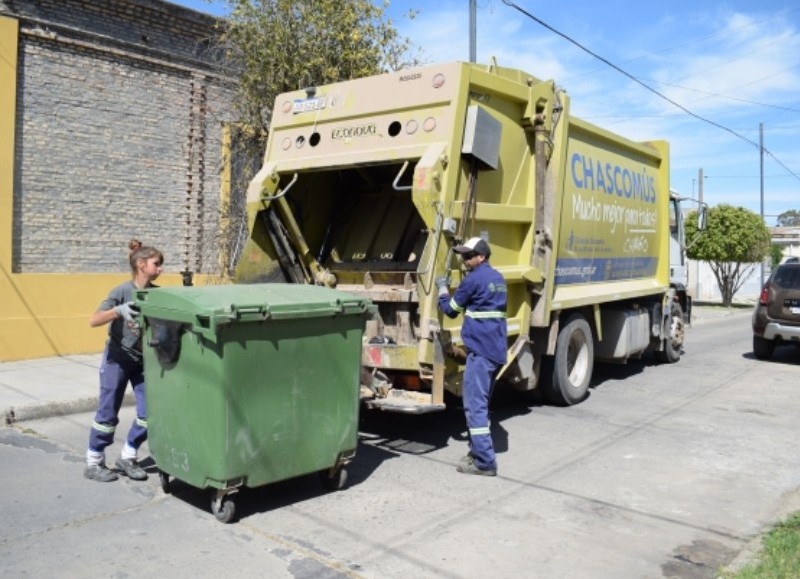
<point>612,179</point>
<point>351,132</point>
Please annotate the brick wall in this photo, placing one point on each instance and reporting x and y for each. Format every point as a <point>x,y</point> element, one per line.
<point>141,24</point>
<point>119,120</point>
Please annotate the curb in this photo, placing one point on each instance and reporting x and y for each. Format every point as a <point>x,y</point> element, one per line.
<point>703,314</point>
<point>749,554</point>
<point>14,415</point>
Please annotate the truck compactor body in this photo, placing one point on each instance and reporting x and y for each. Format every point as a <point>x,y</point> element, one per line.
<point>368,184</point>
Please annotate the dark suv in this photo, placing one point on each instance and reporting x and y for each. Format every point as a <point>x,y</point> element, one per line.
<point>777,314</point>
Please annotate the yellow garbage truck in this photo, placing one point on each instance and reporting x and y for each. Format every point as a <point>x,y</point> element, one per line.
<point>368,184</point>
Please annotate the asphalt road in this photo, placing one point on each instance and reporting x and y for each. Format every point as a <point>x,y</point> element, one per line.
<point>665,471</point>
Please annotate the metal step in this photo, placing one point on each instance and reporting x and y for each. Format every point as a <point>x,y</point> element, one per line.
<point>405,402</point>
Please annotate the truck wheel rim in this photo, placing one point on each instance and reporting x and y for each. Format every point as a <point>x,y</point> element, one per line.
<point>577,359</point>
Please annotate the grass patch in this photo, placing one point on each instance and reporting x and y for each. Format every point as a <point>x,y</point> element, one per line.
<point>780,554</point>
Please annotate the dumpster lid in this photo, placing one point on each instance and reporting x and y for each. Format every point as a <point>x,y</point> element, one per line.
<point>206,307</point>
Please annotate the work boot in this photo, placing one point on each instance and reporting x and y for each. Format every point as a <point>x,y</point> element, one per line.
<point>99,472</point>
<point>466,460</point>
<point>131,468</point>
<point>472,468</point>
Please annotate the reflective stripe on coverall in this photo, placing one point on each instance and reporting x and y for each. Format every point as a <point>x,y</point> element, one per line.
<point>481,296</point>
<point>114,377</point>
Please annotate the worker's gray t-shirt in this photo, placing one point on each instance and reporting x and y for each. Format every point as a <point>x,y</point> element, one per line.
<point>124,338</point>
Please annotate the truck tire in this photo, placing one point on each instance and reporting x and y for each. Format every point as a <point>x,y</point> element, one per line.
<point>572,363</point>
<point>673,342</point>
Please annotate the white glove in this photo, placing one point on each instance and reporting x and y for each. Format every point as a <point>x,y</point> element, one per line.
<point>442,283</point>
<point>126,311</point>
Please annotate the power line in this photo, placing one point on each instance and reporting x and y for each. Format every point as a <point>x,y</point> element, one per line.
<point>779,162</point>
<point>712,35</point>
<point>781,176</point>
<point>737,99</point>
<point>626,73</point>
<point>645,85</point>
<point>719,33</point>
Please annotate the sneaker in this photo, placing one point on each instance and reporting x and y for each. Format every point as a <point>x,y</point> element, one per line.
<point>472,468</point>
<point>99,472</point>
<point>131,468</point>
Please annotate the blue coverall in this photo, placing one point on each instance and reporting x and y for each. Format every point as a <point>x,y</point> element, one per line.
<point>481,297</point>
<point>121,363</point>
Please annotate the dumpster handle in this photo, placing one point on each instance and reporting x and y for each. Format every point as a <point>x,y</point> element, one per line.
<point>237,312</point>
<point>332,309</point>
<point>247,309</point>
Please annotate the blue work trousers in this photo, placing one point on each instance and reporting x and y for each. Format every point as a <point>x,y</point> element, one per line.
<point>114,378</point>
<point>479,377</point>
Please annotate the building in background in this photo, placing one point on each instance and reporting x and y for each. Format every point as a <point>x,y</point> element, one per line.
<point>789,240</point>
<point>112,119</point>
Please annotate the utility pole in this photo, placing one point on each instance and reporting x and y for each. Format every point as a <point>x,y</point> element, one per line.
<point>473,27</point>
<point>761,156</point>
<point>700,180</point>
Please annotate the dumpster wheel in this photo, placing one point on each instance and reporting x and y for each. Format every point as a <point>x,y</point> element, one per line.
<point>335,478</point>
<point>223,506</point>
<point>166,485</point>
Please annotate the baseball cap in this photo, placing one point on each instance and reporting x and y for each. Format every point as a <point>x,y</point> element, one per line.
<point>474,245</point>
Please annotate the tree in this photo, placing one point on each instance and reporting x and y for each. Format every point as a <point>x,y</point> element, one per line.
<point>274,46</point>
<point>775,255</point>
<point>789,218</point>
<point>734,244</point>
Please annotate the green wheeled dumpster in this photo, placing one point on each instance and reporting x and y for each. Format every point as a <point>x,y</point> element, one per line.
<point>251,384</point>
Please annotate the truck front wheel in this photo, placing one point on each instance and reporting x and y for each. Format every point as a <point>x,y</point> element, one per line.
<point>572,363</point>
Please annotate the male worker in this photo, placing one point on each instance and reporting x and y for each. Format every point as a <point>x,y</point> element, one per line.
<point>481,297</point>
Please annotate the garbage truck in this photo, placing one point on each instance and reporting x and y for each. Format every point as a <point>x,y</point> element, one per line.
<point>367,185</point>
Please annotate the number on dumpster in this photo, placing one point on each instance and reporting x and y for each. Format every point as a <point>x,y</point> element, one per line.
<point>179,459</point>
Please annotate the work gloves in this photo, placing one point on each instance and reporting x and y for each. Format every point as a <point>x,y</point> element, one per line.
<point>127,311</point>
<point>443,284</point>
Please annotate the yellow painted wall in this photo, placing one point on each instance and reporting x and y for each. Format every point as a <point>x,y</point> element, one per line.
<point>48,314</point>
<point>9,35</point>
<point>40,314</point>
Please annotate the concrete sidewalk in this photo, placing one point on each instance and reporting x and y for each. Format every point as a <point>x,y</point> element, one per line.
<point>45,387</point>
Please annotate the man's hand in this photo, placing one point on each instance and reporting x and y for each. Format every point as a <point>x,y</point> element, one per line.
<point>443,284</point>
<point>126,311</point>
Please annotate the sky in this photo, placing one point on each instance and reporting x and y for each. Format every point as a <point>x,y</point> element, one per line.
<point>728,67</point>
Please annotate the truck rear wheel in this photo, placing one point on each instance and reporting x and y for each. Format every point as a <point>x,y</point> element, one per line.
<point>673,341</point>
<point>572,363</point>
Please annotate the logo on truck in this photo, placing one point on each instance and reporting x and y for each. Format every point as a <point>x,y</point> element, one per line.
<point>611,213</point>
<point>612,179</point>
<point>353,132</point>
<point>626,197</point>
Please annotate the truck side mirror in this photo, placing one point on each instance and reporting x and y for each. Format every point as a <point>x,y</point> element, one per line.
<point>702,217</point>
